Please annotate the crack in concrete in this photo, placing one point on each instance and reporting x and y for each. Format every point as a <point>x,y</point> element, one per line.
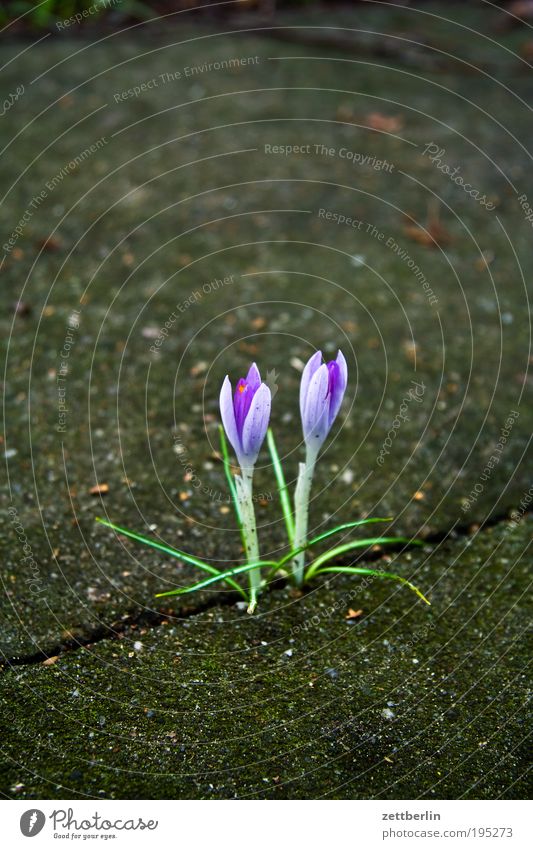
<point>129,622</point>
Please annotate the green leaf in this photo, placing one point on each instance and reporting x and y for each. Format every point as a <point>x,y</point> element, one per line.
<point>229,476</point>
<point>222,576</point>
<point>351,546</point>
<point>346,526</point>
<point>282,487</point>
<point>174,552</point>
<point>353,570</point>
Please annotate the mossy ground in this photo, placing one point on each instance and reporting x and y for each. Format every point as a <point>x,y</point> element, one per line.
<point>182,192</point>
<point>404,701</point>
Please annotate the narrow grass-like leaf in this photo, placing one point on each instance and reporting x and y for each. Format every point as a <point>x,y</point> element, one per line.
<point>174,552</point>
<point>231,483</point>
<point>282,487</point>
<point>222,576</point>
<point>351,546</point>
<point>353,570</point>
<point>337,530</point>
<point>229,477</point>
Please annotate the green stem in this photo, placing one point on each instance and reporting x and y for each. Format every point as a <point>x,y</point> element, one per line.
<point>244,488</point>
<point>301,512</point>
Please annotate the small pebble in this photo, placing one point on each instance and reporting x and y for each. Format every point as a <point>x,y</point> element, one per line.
<point>99,489</point>
<point>150,332</point>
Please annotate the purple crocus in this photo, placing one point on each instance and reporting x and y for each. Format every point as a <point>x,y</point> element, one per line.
<point>245,415</point>
<point>321,392</point>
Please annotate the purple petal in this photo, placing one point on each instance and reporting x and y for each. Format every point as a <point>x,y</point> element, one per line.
<point>342,364</point>
<point>311,367</point>
<point>253,378</point>
<point>256,424</point>
<point>315,418</point>
<point>338,379</point>
<point>244,393</point>
<point>241,404</point>
<point>227,413</point>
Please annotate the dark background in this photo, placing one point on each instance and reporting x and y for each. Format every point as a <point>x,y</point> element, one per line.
<point>25,17</point>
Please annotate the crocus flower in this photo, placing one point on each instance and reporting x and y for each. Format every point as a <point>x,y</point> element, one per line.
<point>245,415</point>
<point>321,392</point>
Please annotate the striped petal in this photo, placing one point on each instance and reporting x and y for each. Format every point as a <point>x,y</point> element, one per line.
<point>312,365</point>
<point>315,418</point>
<point>227,413</point>
<point>253,378</point>
<point>338,382</point>
<point>256,424</point>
